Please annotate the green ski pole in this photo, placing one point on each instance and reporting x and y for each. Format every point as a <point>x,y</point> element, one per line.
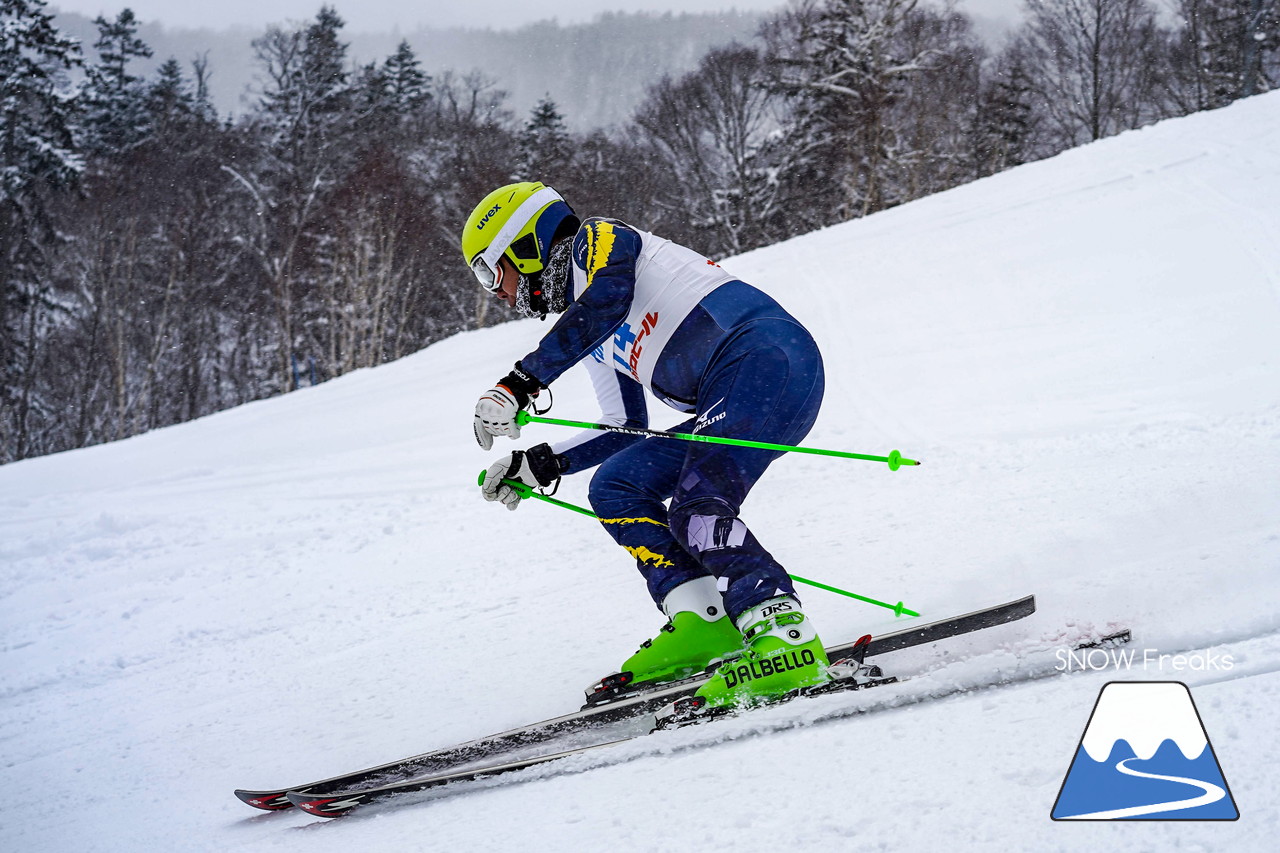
<point>524,491</point>
<point>895,459</point>
<point>527,492</point>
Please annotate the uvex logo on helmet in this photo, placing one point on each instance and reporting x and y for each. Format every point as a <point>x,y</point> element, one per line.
<point>484,220</point>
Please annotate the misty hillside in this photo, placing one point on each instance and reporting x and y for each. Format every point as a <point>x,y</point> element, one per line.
<point>597,72</point>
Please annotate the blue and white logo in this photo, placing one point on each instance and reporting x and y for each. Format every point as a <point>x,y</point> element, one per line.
<point>1145,755</point>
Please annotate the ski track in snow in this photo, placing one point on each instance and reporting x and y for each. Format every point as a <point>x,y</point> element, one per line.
<point>1082,352</point>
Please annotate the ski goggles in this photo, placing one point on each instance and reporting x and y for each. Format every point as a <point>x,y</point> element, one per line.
<point>485,265</point>
<point>484,274</point>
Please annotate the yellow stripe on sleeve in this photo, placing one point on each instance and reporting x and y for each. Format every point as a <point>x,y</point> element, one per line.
<point>599,247</point>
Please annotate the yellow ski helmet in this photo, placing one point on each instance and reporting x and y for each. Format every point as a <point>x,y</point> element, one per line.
<point>519,221</point>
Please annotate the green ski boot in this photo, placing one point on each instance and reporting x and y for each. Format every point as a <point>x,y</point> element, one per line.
<point>698,634</point>
<point>783,654</point>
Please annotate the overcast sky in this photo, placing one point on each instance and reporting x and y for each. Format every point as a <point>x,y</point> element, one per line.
<point>385,15</point>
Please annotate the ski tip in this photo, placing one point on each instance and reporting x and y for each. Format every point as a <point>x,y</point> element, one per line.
<point>271,801</point>
<point>321,806</point>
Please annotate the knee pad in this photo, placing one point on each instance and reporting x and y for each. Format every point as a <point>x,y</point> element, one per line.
<point>707,525</point>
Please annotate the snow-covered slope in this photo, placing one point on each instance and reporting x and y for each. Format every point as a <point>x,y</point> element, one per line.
<point>1085,353</point>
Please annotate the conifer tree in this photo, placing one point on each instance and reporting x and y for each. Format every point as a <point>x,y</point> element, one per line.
<point>306,96</point>
<point>115,100</point>
<point>1005,121</point>
<point>545,146</point>
<point>390,100</point>
<point>307,119</point>
<point>169,98</point>
<point>408,86</point>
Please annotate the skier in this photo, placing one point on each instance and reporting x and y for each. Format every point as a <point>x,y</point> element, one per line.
<point>643,312</point>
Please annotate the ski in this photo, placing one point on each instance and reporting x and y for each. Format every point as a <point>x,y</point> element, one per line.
<point>633,705</point>
<point>338,803</point>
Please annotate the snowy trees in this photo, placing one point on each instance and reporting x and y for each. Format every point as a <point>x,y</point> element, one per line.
<point>204,259</point>
<point>1224,50</point>
<point>863,75</point>
<point>841,62</point>
<point>149,264</point>
<point>159,263</point>
<point>936,110</point>
<point>37,159</point>
<point>1006,121</point>
<point>1093,68</point>
<point>716,134</point>
<point>304,119</point>
<point>1092,64</point>
<point>113,99</point>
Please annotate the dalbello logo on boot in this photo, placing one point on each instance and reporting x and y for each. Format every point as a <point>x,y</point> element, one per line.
<point>1145,755</point>
<point>765,667</point>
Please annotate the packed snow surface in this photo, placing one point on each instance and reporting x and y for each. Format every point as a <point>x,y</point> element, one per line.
<point>1085,354</point>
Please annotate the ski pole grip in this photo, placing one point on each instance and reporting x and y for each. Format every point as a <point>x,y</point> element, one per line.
<point>518,487</point>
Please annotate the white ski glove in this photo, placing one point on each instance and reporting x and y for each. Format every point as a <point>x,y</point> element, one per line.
<point>537,466</point>
<point>497,408</point>
<point>496,415</point>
